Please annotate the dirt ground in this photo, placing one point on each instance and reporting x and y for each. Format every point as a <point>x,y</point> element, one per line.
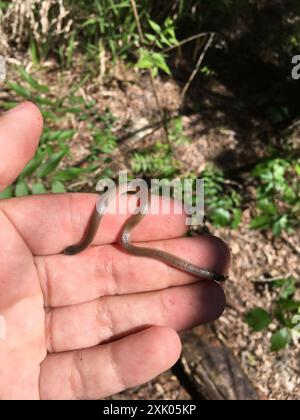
<point>221,132</point>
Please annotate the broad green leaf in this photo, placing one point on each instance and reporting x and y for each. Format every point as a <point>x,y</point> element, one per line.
<point>150,37</point>
<point>261,222</point>
<point>288,305</point>
<point>156,28</point>
<point>258,319</point>
<point>7,193</point>
<point>267,206</point>
<point>288,289</point>
<point>280,339</point>
<point>38,188</point>
<point>21,189</point>
<point>221,217</point>
<point>58,187</point>
<point>152,60</point>
<point>160,62</point>
<point>145,61</point>
<point>296,327</point>
<point>282,317</point>
<point>280,225</point>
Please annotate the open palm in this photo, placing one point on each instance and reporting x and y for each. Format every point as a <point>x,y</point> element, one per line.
<point>94,324</point>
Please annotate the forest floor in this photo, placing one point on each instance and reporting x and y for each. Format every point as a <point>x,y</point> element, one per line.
<point>222,132</point>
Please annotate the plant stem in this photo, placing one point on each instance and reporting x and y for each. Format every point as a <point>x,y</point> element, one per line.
<point>198,65</point>
<point>187,40</point>
<point>152,81</point>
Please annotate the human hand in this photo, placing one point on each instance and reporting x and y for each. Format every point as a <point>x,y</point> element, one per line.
<point>91,325</point>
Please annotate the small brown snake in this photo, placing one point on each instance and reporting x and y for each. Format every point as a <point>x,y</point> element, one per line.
<point>125,240</point>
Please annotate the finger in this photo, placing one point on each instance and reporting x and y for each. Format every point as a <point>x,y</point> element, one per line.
<point>20,130</point>
<point>49,223</point>
<point>102,371</point>
<point>108,270</point>
<point>105,319</point>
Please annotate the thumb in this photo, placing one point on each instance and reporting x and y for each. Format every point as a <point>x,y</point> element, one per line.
<point>20,131</point>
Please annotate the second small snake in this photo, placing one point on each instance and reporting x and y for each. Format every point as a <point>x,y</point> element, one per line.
<point>127,244</point>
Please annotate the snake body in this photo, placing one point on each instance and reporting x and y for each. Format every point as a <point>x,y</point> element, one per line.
<point>127,244</point>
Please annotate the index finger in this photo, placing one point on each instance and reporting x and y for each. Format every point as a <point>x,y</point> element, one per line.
<point>49,223</point>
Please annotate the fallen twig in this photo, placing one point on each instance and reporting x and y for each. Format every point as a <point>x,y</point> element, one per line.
<point>290,244</point>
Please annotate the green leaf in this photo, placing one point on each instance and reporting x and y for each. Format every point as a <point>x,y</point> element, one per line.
<point>58,187</point>
<point>153,61</point>
<point>38,188</point>
<point>88,22</point>
<point>156,28</point>
<point>261,222</point>
<point>288,289</point>
<point>282,317</point>
<point>32,166</point>
<point>236,218</point>
<point>49,115</point>
<point>145,60</point>
<point>68,174</point>
<point>52,163</point>
<point>33,51</point>
<point>21,189</point>
<point>258,319</point>
<point>150,37</point>
<point>7,105</point>
<point>32,82</point>
<point>267,206</point>
<point>161,63</point>
<point>20,90</point>
<point>221,217</point>
<point>296,319</point>
<point>280,339</point>
<point>71,110</point>
<point>105,140</point>
<point>7,193</point>
<point>61,135</point>
<point>280,225</point>
<point>44,101</point>
<point>288,305</point>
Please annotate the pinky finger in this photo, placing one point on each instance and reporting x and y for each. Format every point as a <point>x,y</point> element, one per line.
<point>102,371</point>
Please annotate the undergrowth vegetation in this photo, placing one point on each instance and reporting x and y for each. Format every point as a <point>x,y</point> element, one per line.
<point>285,314</point>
